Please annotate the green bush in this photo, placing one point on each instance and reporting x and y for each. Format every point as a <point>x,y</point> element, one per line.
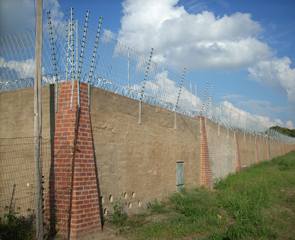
<point>17,227</point>
<point>118,217</point>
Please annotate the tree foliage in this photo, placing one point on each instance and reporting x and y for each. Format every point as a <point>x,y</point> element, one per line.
<point>285,131</point>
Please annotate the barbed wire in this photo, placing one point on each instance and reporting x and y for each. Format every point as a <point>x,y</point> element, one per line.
<point>116,68</point>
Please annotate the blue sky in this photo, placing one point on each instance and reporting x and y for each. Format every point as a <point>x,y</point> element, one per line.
<point>245,47</point>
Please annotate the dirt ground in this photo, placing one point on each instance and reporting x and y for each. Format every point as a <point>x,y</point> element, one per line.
<point>108,233</point>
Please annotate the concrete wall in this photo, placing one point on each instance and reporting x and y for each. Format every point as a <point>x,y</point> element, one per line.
<point>272,148</point>
<point>137,163</point>
<point>247,149</point>
<point>17,153</point>
<point>222,150</point>
<point>262,145</point>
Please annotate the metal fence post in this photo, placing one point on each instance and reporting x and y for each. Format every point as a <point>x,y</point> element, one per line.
<point>53,59</point>
<point>143,84</point>
<point>81,55</point>
<point>176,106</point>
<point>205,96</point>
<point>209,100</point>
<point>93,59</point>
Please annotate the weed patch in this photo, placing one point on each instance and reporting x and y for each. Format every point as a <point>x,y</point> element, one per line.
<point>258,203</point>
<point>17,227</point>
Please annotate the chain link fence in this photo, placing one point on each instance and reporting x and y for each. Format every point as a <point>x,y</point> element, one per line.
<point>75,51</point>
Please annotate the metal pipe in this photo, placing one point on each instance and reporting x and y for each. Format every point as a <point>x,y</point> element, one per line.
<point>81,55</point>
<point>53,59</point>
<point>205,96</point>
<point>78,84</point>
<point>93,59</point>
<point>72,56</point>
<point>143,84</point>
<point>146,74</point>
<point>177,101</point>
<point>209,101</point>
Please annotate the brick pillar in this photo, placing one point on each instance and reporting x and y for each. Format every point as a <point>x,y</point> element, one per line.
<point>256,148</point>
<point>280,148</point>
<point>206,168</point>
<point>268,151</point>
<point>73,187</point>
<point>275,147</point>
<point>238,161</point>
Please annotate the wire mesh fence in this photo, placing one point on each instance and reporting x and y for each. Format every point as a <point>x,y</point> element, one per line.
<point>17,185</point>
<point>72,50</point>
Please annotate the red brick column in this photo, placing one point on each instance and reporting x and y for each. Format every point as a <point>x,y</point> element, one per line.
<point>280,148</point>
<point>268,151</point>
<point>206,168</point>
<point>238,161</point>
<point>256,148</point>
<point>73,187</point>
<point>275,147</point>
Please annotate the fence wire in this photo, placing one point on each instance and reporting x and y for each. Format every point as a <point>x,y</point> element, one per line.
<point>113,66</point>
<point>17,185</point>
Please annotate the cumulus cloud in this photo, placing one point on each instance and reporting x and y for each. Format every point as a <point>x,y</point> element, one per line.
<point>16,16</point>
<point>163,88</point>
<point>13,70</point>
<point>53,7</point>
<point>19,15</point>
<point>195,41</point>
<point>277,75</point>
<point>290,124</point>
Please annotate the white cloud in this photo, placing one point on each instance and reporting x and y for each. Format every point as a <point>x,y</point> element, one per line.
<point>18,70</point>
<point>19,15</point>
<point>16,16</point>
<point>53,7</point>
<point>290,124</point>
<point>163,88</point>
<point>194,41</point>
<point>277,75</point>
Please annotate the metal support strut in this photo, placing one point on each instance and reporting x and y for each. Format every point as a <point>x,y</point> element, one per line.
<point>143,84</point>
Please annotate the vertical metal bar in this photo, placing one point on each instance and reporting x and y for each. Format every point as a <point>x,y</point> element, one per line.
<point>221,109</point>
<point>239,119</point>
<point>229,118</point>
<point>77,41</point>
<point>164,80</point>
<point>128,72</point>
<point>82,53</point>
<point>205,96</point>
<point>72,56</point>
<point>145,77</point>
<point>176,106</point>
<point>93,59</point>
<point>53,59</point>
<point>209,101</point>
<point>68,49</point>
<point>143,84</point>
<point>191,91</point>
<point>196,91</point>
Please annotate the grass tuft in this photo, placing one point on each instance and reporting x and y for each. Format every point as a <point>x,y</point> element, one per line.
<point>258,203</point>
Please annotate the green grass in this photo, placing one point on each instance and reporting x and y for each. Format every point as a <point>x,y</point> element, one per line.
<point>258,203</point>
